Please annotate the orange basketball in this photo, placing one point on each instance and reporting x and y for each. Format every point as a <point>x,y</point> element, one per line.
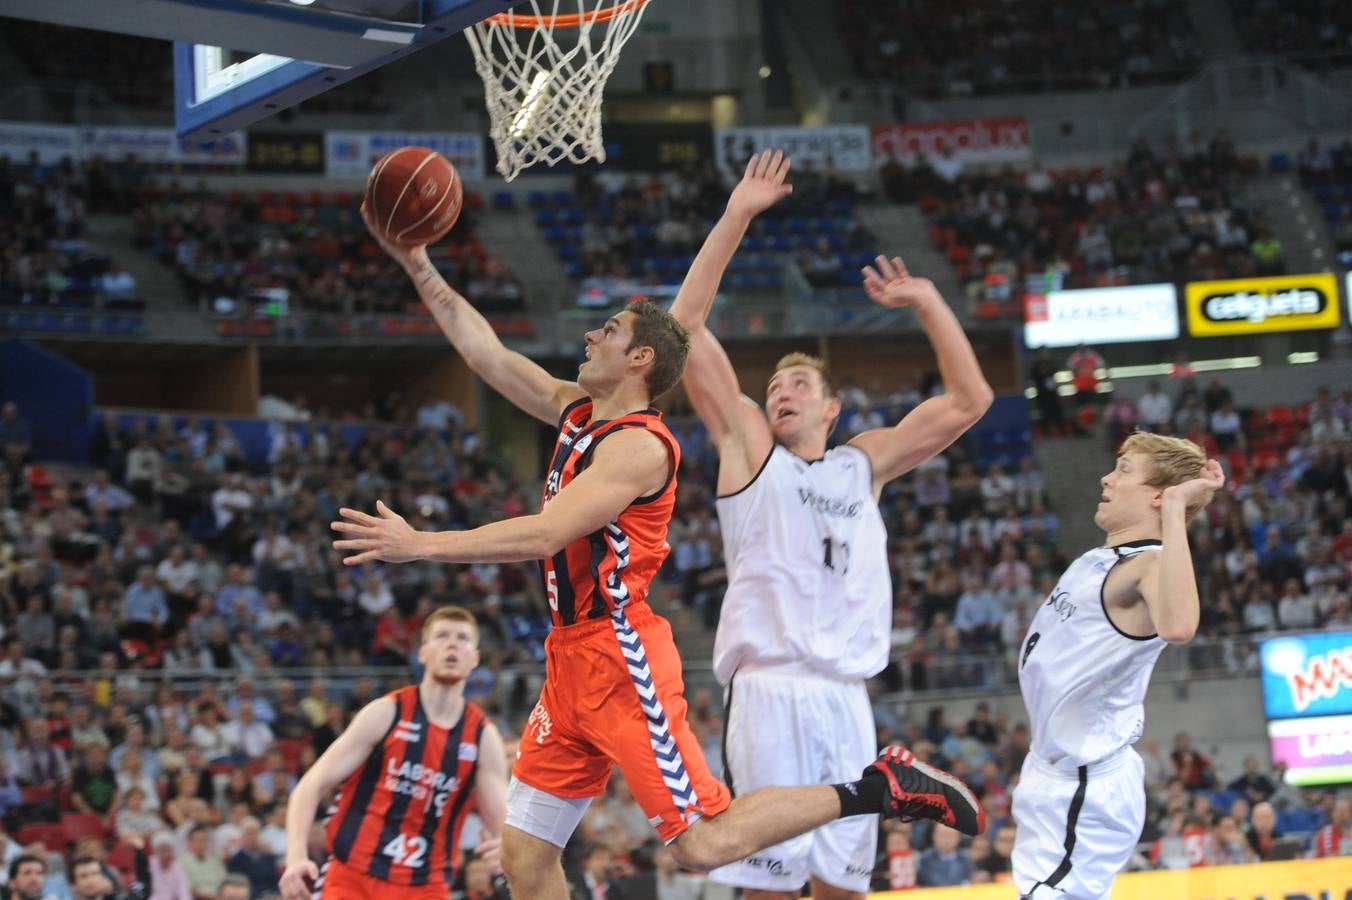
<point>414,195</point>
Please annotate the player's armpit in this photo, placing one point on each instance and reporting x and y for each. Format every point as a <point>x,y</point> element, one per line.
<point>353,746</point>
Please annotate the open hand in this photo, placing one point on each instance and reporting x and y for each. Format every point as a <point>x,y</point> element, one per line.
<point>407,256</point>
<point>1199,489</point>
<point>384,537</point>
<point>889,284</point>
<point>762,185</point>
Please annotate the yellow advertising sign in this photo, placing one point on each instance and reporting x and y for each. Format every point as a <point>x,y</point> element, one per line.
<point>1306,879</point>
<point>1262,305</point>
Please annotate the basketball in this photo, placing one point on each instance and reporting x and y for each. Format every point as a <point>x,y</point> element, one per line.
<point>414,195</point>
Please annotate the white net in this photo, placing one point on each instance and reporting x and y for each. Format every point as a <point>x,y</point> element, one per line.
<point>544,81</point>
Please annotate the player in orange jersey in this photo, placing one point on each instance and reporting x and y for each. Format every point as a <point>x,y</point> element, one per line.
<point>411,766</point>
<point>613,690</point>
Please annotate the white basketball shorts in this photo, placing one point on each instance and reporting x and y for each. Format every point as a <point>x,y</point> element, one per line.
<point>790,728</point>
<point>1077,829</point>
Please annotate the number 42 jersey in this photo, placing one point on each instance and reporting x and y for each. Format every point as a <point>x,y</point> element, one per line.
<point>808,577</point>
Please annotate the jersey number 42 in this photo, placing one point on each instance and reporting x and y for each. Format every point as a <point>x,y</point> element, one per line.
<point>406,851</point>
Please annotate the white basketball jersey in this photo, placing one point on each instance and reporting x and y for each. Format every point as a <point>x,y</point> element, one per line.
<point>808,580</point>
<point>1083,679</point>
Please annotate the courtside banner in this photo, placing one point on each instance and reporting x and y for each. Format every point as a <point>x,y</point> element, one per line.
<point>1307,675</point>
<point>1143,312</point>
<point>49,142</point>
<point>844,146</point>
<point>1003,139</point>
<point>351,154</point>
<point>1262,305</point>
<point>1305,879</point>
<point>162,145</point>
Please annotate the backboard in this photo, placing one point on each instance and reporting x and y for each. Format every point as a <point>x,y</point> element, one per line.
<point>239,61</point>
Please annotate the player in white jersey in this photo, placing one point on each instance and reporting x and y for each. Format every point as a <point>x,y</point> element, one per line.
<point>1085,665</point>
<point>808,612</point>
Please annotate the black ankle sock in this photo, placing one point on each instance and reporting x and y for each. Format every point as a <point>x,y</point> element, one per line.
<point>862,797</point>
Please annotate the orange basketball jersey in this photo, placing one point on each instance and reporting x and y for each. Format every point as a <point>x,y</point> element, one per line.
<point>398,817</point>
<point>610,568</point>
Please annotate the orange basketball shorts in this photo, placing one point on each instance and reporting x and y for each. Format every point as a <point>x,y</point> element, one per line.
<point>613,695</point>
<point>342,882</point>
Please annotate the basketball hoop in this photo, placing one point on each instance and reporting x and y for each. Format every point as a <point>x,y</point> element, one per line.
<point>544,95</point>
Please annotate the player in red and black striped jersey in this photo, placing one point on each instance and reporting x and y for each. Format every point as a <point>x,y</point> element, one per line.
<point>613,692</point>
<point>409,769</point>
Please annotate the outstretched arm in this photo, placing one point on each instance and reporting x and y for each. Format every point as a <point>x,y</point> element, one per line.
<point>521,381</point>
<point>1169,587</point>
<point>628,465</point>
<point>735,422</point>
<point>939,421</point>
<point>342,758</point>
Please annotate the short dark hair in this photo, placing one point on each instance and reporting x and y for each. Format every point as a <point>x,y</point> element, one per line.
<point>654,327</point>
<point>20,861</point>
<point>84,861</point>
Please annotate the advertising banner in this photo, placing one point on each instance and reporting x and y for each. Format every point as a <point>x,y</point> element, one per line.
<point>997,140</point>
<point>844,146</point>
<point>1146,312</point>
<point>161,145</point>
<point>1262,305</point>
<point>1305,879</point>
<point>51,142</point>
<point>1307,675</point>
<point>351,154</point>
<point>1314,751</point>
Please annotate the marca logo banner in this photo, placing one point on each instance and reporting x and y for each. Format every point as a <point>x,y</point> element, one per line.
<point>1262,305</point>
<point>1307,675</point>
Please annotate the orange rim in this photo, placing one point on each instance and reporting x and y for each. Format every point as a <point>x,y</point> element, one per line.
<point>573,20</point>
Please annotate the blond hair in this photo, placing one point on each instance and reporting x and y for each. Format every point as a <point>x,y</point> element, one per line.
<point>450,614</point>
<point>815,363</point>
<point>1171,461</point>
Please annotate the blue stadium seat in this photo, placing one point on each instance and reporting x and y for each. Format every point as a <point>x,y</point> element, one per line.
<point>544,217</point>
<point>537,199</point>
<point>1333,211</point>
<point>1279,162</point>
<point>563,199</point>
<point>752,243</point>
<point>795,225</point>
<point>504,200</point>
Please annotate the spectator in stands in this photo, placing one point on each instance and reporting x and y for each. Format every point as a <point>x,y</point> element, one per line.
<point>1253,783</point>
<point>1156,409</point>
<point>117,284</point>
<point>1335,838</point>
<point>1042,375</point>
<point>597,882</point>
<point>1267,253</point>
<point>1226,427</point>
<point>1191,418</point>
<point>38,762</point>
<point>203,871</point>
<point>234,887</point>
<point>1084,364</point>
<point>28,877</point>
<point>135,823</point>
<point>1263,833</point>
<point>943,864</point>
<point>247,733</point>
<point>1193,768</point>
<point>145,601</point>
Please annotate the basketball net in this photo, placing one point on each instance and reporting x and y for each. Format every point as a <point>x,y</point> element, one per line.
<point>544,74</point>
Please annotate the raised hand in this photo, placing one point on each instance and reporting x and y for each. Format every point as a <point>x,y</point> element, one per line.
<point>889,284</point>
<point>762,185</point>
<point>406,256</point>
<point>1199,489</point>
<point>384,537</point>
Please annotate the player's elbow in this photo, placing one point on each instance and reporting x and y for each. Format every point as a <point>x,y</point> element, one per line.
<point>974,403</point>
<point>1178,634</point>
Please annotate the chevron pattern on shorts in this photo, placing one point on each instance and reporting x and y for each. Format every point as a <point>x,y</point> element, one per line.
<point>665,751</point>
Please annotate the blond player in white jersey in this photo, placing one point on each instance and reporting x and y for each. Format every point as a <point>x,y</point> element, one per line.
<point>1085,665</point>
<point>808,610</point>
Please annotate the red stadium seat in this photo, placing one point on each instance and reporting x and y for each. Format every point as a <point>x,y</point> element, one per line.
<point>50,835</point>
<point>79,826</point>
<point>1280,414</point>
